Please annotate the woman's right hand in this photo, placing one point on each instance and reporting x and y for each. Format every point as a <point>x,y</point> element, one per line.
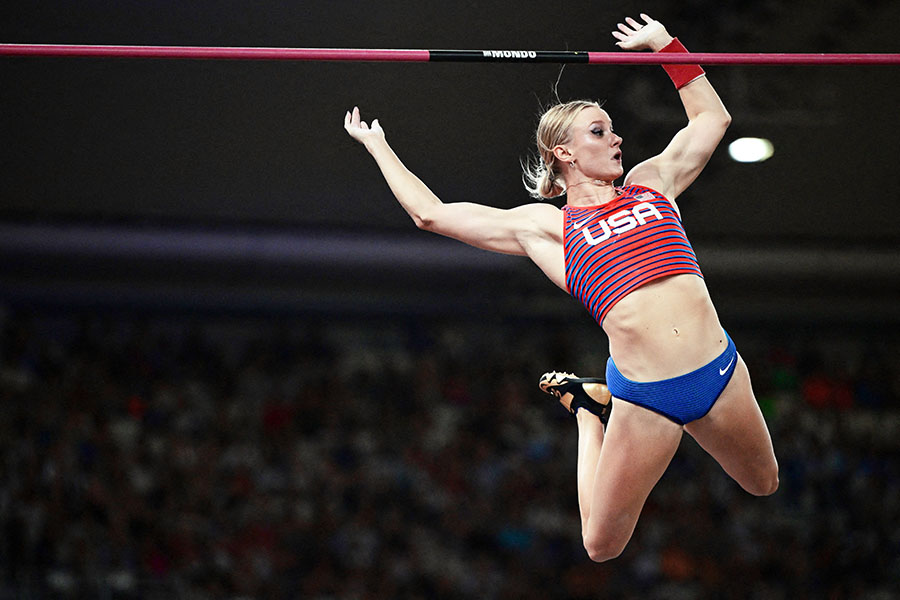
<point>359,130</point>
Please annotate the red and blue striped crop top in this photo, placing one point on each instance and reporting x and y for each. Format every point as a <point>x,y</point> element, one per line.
<point>617,247</point>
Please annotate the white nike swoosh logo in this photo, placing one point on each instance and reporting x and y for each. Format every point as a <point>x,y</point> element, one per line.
<point>578,225</point>
<point>728,366</point>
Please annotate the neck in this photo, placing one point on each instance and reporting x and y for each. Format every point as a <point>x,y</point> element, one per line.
<point>591,192</point>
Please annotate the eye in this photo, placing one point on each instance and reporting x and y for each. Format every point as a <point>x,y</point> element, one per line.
<point>598,132</point>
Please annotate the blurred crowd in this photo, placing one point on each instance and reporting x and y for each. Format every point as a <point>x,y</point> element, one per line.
<point>241,457</point>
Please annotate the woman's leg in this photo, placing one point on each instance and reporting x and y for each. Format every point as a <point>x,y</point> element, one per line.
<point>616,472</point>
<point>590,441</point>
<point>735,434</point>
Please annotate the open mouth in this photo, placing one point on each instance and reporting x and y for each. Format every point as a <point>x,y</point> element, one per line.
<point>617,156</point>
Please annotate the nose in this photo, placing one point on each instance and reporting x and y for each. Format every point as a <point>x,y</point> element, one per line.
<point>617,141</point>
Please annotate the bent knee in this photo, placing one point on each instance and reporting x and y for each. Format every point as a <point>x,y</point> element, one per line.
<point>764,484</point>
<point>601,550</point>
<point>768,487</point>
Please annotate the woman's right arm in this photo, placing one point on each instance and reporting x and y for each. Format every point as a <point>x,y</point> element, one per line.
<point>676,167</point>
<point>498,230</point>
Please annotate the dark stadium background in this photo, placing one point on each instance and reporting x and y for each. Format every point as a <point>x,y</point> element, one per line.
<point>221,198</point>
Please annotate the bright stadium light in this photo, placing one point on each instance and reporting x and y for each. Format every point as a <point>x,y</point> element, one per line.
<point>748,150</point>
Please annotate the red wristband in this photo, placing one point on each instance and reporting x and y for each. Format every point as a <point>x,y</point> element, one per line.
<point>681,75</point>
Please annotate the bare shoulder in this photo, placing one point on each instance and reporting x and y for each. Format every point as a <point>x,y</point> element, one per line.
<point>538,209</point>
<point>538,221</point>
<point>538,216</point>
<point>648,175</point>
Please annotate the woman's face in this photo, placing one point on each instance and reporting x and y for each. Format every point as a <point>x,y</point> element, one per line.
<point>593,145</point>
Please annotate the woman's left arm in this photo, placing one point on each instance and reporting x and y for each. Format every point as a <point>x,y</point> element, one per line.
<point>676,167</point>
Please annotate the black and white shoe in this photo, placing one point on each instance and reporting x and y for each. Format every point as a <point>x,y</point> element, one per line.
<point>574,392</point>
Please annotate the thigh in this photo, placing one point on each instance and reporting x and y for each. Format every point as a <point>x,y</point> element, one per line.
<point>735,434</point>
<point>638,446</point>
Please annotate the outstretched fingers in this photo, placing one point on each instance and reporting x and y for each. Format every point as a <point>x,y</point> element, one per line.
<point>353,120</point>
<point>359,129</point>
<point>634,35</point>
<point>631,26</point>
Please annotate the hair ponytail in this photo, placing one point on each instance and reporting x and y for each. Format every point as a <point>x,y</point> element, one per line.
<point>541,181</point>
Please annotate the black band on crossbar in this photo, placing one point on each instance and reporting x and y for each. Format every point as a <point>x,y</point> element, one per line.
<point>532,56</point>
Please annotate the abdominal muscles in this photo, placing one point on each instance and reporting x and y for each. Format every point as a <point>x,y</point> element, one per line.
<point>663,329</point>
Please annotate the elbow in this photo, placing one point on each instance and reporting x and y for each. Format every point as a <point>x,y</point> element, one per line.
<point>426,215</point>
<point>713,121</point>
<point>718,124</point>
<point>423,222</point>
<point>724,118</point>
<point>717,117</point>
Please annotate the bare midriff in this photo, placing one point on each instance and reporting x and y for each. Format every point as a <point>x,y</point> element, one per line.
<point>663,329</point>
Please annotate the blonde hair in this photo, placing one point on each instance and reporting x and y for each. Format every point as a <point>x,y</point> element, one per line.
<point>542,175</point>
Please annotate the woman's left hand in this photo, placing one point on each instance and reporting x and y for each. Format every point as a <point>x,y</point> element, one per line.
<point>640,36</point>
